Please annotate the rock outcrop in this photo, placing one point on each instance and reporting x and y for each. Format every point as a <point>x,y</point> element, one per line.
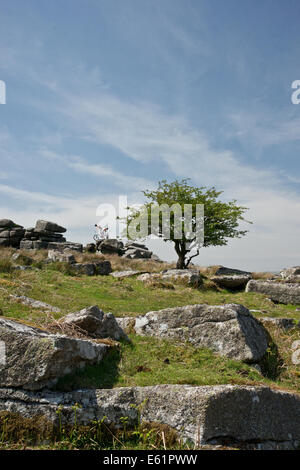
<point>223,271</point>
<point>131,250</point>
<point>11,234</point>
<point>188,276</point>
<point>124,274</point>
<point>35,359</point>
<point>229,329</point>
<point>95,322</point>
<point>111,246</point>
<point>137,251</point>
<point>101,267</point>
<point>291,274</point>
<point>244,416</point>
<point>231,281</point>
<point>280,292</point>
<point>42,234</point>
<point>23,299</point>
<point>62,256</point>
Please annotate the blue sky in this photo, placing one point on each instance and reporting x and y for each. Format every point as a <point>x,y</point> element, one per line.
<point>106,97</point>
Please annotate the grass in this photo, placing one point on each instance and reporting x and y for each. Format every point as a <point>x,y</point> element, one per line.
<point>144,361</point>
<point>151,361</point>
<point>19,433</point>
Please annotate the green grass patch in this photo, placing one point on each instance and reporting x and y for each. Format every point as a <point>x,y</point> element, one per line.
<point>153,361</point>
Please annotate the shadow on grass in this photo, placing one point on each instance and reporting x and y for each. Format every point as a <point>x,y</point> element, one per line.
<point>104,375</point>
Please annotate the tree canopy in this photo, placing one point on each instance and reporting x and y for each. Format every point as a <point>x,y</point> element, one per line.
<point>220,219</point>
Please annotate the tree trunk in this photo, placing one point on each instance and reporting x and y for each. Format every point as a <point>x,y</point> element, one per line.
<point>181,252</point>
<point>180,262</point>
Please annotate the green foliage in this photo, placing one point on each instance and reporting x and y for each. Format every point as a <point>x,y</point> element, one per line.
<point>221,219</point>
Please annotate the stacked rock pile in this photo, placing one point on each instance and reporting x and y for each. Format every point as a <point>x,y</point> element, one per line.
<point>42,234</point>
<point>131,250</point>
<point>10,233</point>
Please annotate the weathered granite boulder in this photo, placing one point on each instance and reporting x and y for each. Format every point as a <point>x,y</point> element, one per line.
<point>280,292</point>
<point>94,321</point>
<point>110,246</point>
<point>56,255</point>
<point>287,272</point>
<point>90,248</point>
<point>34,303</point>
<point>124,274</point>
<point>65,246</point>
<point>284,323</point>
<point>35,359</point>
<point>89,269</point>
<point>190,277</point>
<point>223,271</point>
<point>42,225</point>
<point>242,416</point>
<point>228,329</point>
<point>101,267</point>
<point>10,233</point>
<point>126,323</point>
<point>137,253</point>
<point>231,281</point>
<point>135,250</point>
<point>7,224</point>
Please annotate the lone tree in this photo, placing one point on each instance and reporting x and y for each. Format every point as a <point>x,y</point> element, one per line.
<point>221,219</point>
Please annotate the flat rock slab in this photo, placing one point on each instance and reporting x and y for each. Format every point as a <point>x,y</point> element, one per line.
<point>124,274</point>
<point>241,415</point>
<point>34,303</point>
<point>223,271</point>
<point>228,329</point>
<point>34,359</point>
<point>231,281</point>
<point>191,278</point>
<point>42,225</point>
<point>280,292</point>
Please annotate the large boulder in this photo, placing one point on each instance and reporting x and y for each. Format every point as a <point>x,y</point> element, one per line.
<point>231,281</point>
<point>101,267</point>
<point>280,292</point>
<point>242,416</point>
<point>228,329</point>
<point>45,225</point>
<point>57,255</point>
<point>95,322</point>
<point>35,359</point>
